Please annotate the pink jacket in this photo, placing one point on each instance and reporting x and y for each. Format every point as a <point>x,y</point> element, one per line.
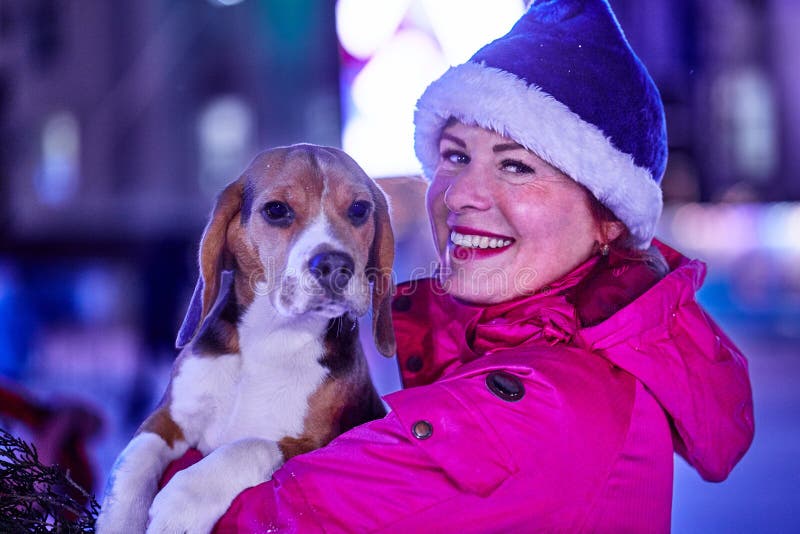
<point>525,423</point>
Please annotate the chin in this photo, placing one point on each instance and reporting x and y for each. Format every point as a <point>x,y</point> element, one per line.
<point>476,293</point>
<point>487,283</point>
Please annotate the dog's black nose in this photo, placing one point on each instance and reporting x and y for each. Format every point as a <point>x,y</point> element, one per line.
<point>332,269</point>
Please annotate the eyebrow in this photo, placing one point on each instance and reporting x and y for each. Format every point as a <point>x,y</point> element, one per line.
<point>454,139</point>
<point>506,146</point>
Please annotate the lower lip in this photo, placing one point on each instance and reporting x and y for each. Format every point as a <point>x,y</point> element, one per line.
<point>464,253</point>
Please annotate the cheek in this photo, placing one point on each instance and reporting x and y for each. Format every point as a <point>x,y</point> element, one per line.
<point>437,212</point>
<point>532,218</point>
<point>561,225</point>
<point>362,244</point>
<point>272,246</point>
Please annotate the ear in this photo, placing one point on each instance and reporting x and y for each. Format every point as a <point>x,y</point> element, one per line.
<point>611,230</point>
<point>380,270</point>
<point>212,263</point>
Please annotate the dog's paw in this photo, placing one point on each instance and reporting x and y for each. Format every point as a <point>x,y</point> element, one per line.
<point>188,504</point>
<point>133,483</point>
<point>127,499</point>
<point>195,498</point>
<point>121,519</point>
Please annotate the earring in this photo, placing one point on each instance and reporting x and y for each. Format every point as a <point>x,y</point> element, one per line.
<point>605,248</point>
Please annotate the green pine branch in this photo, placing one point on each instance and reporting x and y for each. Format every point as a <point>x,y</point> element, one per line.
<point>38,498</point>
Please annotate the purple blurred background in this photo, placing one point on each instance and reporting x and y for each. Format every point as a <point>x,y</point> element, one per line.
<point>120,121</point>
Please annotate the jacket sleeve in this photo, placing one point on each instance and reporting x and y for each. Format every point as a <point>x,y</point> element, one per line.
<point>697,374</point>
<point>720,392</point>
<point>380,473</point>
<point>700,378</point>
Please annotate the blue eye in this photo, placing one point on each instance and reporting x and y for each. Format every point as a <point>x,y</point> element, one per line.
<point>456,157</point>
<point>516,167</point>
<point>278,213</point>
<point>358,212</point>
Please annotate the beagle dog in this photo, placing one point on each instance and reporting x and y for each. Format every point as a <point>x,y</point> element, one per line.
<point>271,364</point>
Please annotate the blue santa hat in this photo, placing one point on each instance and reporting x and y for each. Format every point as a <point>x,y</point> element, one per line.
<point>565,84</point>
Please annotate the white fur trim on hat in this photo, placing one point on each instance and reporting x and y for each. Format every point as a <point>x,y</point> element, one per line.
<point>497,100</point>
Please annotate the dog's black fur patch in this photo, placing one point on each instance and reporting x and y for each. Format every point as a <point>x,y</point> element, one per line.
<point>214,339</point>
<point>341,345</point>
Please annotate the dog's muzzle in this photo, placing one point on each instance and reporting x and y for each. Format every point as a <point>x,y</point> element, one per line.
<point>327,282</point>
<point>332,270</point>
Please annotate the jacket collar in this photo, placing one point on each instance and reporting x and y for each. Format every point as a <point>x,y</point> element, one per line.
<point>545,316</point>
<point>438,329</point>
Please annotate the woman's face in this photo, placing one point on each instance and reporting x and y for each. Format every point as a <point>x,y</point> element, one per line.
<point>505,222</point>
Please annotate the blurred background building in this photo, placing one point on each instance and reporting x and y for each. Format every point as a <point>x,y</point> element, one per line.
<point>120,121</point>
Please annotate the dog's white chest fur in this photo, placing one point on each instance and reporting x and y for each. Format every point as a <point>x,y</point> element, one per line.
<point>262,392</point>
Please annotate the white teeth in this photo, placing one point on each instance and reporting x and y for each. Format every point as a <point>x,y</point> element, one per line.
<point>477,241</point>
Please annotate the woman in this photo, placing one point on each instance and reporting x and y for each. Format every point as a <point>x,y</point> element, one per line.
<point>558,358</point>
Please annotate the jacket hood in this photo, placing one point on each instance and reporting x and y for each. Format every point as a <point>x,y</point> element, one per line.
<point>664,338</point>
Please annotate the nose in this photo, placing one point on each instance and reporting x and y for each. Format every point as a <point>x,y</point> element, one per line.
<point>468,190</point>
<point>332,270</point>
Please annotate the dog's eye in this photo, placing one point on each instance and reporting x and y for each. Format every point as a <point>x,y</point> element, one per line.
<point>278,213</point>
<point>358,211</point>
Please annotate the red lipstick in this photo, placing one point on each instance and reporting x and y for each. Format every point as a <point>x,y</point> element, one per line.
<point>465,253</point>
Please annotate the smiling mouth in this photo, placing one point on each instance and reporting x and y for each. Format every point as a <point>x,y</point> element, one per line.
<point>470,239</point>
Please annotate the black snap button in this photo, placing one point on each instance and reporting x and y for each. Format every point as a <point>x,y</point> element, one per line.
<point>402,303</point>
<point>422,429</point>
<point>414,364</point>
<point>505,386</point>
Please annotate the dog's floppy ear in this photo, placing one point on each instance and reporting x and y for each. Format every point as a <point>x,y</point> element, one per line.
<point>380,269</point>
<point>212,263</point>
